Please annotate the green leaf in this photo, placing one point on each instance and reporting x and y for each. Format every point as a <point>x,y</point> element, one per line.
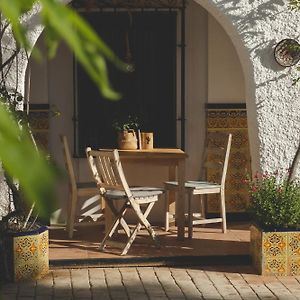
<point>13,10</point>
<point>17,153</point>
<point>23,162</point>
<point>62,22</point>
<point>87,46</point>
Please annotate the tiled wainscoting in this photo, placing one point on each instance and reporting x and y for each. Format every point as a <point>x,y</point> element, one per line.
<point>230,118</point>
<point>39,121</point>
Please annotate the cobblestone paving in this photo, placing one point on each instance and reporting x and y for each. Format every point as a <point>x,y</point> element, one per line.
<point>155,283</point>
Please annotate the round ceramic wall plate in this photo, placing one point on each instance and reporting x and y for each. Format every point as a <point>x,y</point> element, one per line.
<point>287,52</point>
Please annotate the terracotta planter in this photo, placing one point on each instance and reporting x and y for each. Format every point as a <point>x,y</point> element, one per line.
<point>25,255</point>
<point>127,140</point>
<point>275,253</point>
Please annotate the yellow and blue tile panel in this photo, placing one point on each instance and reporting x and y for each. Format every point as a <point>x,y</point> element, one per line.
<point>276,253</point>
<point>31,256</point>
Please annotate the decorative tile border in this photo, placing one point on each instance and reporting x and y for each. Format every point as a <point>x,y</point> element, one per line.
<point>39,122</point>
<point>275,253</point>
<point>31,256</point>
<point>231,118</point>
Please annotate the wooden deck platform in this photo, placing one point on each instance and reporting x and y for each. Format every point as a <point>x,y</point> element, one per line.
<point>207,241</point>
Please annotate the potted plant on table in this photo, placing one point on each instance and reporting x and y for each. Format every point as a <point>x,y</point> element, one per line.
<point>275,237</point>
<point>126,130</point>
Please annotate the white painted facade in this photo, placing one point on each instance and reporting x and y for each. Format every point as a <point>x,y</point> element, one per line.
<point>255,26</point>
<point>229,59</point>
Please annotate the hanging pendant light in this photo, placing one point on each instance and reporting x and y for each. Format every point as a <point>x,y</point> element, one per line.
<point>128,55</point>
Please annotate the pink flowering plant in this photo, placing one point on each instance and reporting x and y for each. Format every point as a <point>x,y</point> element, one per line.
<point>274,201</point>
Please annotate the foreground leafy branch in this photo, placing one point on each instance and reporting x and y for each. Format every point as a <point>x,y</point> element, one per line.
<point>17,152</point>
<point>63,23</point>
<point>22,162</point>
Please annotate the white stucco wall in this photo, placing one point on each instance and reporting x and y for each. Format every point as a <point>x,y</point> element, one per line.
<point>272,103</point>
<point>225,75</point>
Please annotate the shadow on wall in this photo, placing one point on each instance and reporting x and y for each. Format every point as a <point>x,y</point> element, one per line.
<point>250,29</point>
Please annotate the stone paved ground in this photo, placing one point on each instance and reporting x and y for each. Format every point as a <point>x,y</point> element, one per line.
<point>155,283</point>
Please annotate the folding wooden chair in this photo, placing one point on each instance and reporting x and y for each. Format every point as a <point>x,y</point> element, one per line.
<point>76,190</point>
<point>204,188</point>
<point>109,176</point>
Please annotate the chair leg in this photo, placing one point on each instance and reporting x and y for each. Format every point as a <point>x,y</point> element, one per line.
<point>190,215</point>
<point>71,214</point>
<point>114,226</point>
<point>102,205</point>
<point>167,211</point>
<point>144,221</point>
<point>202,203</point>
<point>116,213</point>
<point>136,230</point>
<point>223,211</point>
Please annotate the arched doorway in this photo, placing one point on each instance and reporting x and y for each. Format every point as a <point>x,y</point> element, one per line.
<point>214,76</point>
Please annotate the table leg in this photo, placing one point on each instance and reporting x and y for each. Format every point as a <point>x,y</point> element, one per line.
<point>172,194</point>
<point>180,200</point>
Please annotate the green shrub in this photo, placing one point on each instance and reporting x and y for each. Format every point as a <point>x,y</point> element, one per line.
<point>274,201</point>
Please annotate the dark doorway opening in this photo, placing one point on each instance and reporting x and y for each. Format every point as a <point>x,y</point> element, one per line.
<point>148,92</point>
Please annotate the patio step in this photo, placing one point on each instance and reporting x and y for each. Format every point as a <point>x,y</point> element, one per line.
<point>170,261</point>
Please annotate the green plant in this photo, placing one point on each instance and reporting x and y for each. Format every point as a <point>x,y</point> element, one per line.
<point>126,123</point>
<point>274,201</point>
<point>62,22</point>
<point>18,154</point>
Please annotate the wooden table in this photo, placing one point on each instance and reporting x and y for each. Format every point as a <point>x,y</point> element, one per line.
<point>175,160</point>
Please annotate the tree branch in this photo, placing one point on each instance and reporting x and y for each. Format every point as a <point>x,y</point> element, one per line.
<point>16,52</point>
<point>295,163</point>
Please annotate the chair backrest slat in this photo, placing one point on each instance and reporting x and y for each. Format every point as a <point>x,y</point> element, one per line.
<point>217,156</point>
<point>68,161</point>
<point>103,169</point>
<point>110,171</point>
<point>107,170</point>
<point>120,172</point>
<point>226,160</point>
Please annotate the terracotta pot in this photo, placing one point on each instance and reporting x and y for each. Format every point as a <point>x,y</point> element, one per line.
<point>127,140</point>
